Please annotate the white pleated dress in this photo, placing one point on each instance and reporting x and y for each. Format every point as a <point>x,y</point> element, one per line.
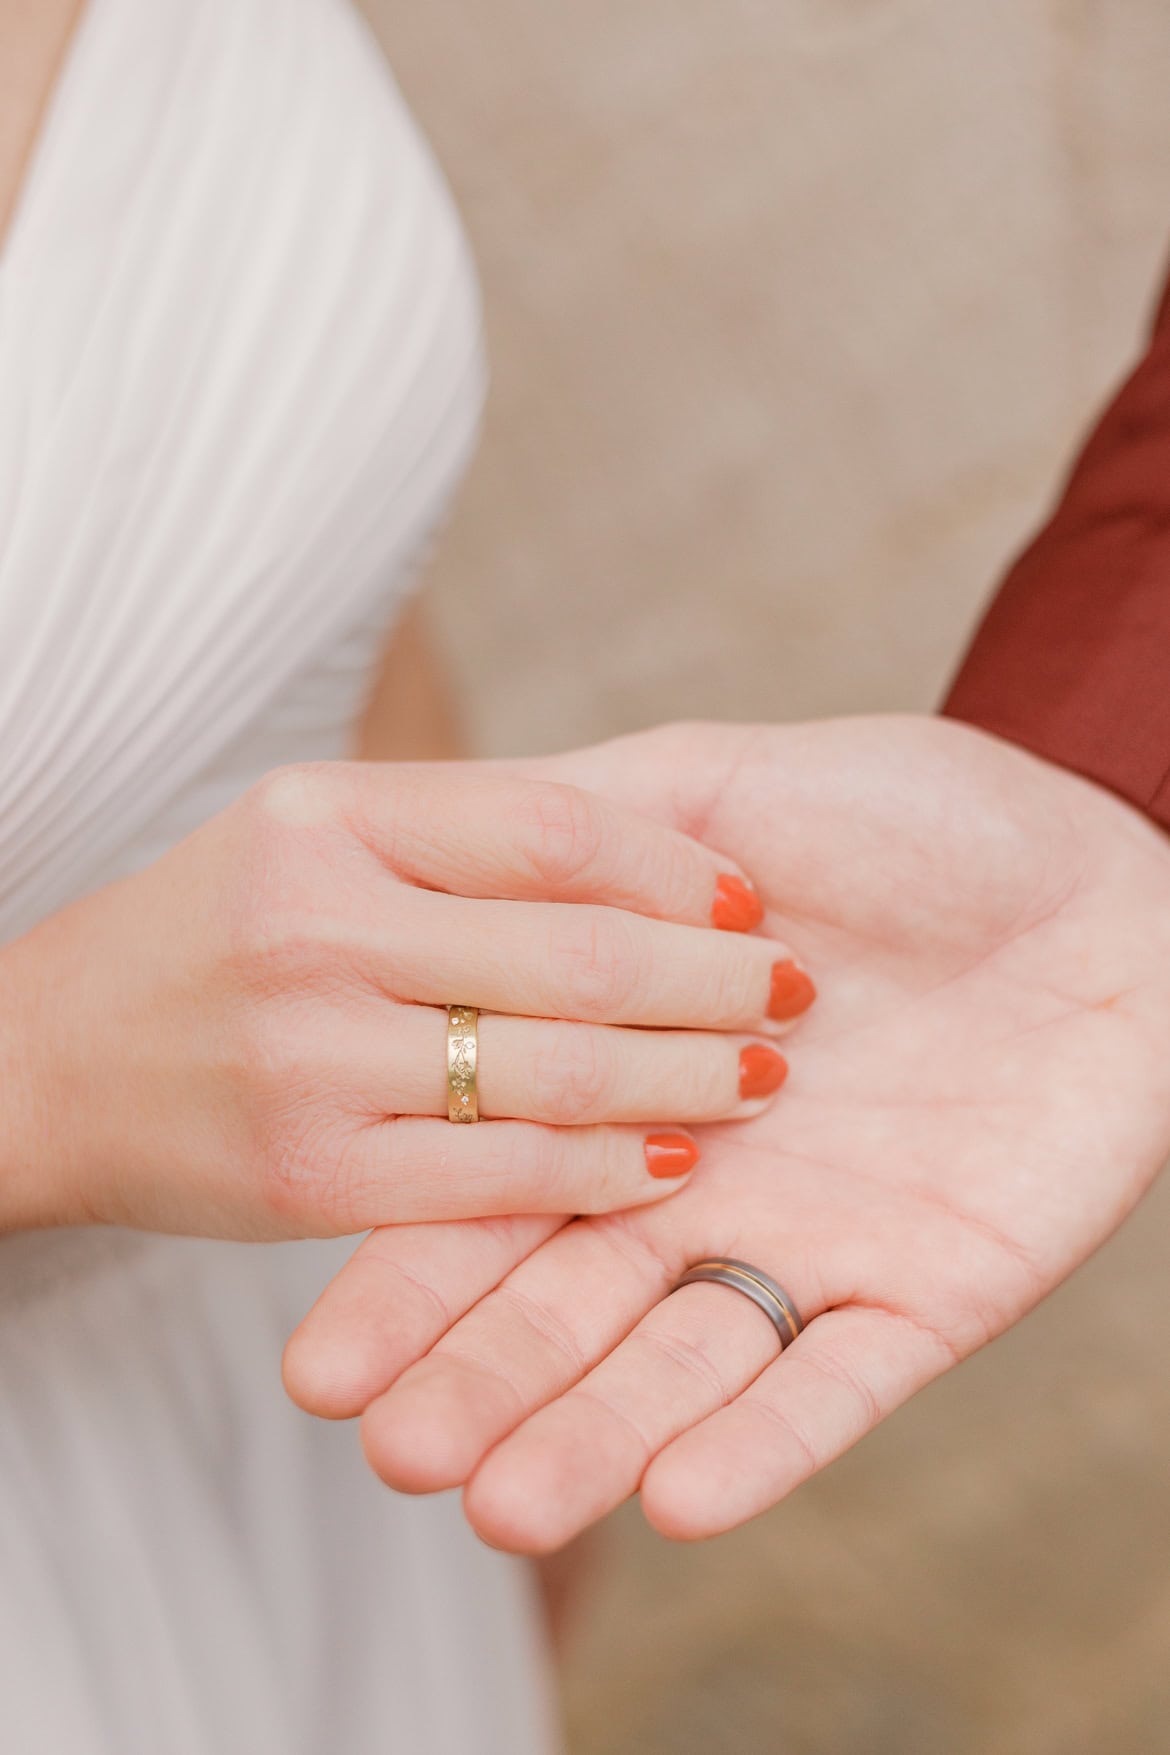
<point>240,372</point>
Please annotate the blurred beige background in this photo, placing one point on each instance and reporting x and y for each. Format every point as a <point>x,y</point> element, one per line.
<point>795,309</point>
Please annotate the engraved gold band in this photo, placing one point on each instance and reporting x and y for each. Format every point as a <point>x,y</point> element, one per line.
<point>462,1062</point>
<point>763,1291</point>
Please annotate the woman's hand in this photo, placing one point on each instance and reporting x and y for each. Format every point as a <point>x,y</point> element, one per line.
<point>248,1038</point>
<point>981,1096</point>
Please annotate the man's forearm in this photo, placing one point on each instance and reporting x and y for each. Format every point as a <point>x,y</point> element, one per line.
<point>1072,660</point>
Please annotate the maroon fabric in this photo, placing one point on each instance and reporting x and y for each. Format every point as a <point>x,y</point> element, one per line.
<point>1073,657</point>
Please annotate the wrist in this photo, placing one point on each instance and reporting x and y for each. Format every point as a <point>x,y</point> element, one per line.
<point>31,1157</point>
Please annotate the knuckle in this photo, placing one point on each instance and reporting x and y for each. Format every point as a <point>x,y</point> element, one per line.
<point>620,1419</point>
<point>560,831</point>
<point>598,1172</point>
<point>308,1169</point>
<point>277,902</point>
<point>737,982</point>
<point>657,1258</point>
<point>693,1362</point>
<point>282,952</point>
<point>598,964</point>
<point>293,1152</point>
<point>703,1080</point>
<point>548,1327</point>
<point>675,875</point>
<point>277,956</point>
<point>837,1372</point>
<point>794,1434</point>
<point>302,1137</point>
<point>300,795</point>
<point>573,1077</point>
<point>291,1134</point>
<point>555,1166</point>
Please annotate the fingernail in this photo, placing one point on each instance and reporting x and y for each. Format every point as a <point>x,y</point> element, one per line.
<point>670,1154</point>
<point>736,907</point>
<point>792,992</point>
<point>761,1070</point>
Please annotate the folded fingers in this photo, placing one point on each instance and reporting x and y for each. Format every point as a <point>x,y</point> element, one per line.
<point>553,1394</point>
<point>583,1378</point>
<point>400,1291</point>
<point>839,1379</point>
<point>573,1460</point>
<point>535,1335</point>
<point>701,1413</point>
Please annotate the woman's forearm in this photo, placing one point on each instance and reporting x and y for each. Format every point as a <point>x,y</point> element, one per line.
<point>30,1169</point>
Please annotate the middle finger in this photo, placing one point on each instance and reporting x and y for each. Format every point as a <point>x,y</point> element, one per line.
<point>591,964</point>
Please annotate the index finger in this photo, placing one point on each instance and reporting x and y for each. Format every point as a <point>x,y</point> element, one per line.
<point>400,1291</point>
<point>476,832</point>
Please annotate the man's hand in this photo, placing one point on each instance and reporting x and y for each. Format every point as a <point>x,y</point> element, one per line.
<point>981,1095</point>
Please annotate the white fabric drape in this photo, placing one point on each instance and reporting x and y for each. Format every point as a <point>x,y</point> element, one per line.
<point>240,371</point>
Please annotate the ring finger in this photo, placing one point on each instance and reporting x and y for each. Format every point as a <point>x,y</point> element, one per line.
<point>574,1075</point>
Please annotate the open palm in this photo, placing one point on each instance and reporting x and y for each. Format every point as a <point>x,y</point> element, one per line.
<point>979,1097</point>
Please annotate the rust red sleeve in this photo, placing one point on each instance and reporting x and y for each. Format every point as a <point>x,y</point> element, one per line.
<point>1072,659</point>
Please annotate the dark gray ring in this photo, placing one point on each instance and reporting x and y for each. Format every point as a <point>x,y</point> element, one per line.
<point>763,1291</point>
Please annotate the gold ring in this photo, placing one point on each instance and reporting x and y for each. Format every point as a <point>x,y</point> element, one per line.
<point>462,1062</point>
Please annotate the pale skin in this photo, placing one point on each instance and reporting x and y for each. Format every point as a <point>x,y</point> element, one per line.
<point>979,1099</point>
<point>258,1047</point>
<point>327,899</point>
<point>409,716</point>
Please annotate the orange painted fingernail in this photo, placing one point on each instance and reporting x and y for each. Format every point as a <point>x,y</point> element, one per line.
<point>670,1154</point>
<point>761,1070</point>
<point>736,907</point>
<point>792,992</point>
